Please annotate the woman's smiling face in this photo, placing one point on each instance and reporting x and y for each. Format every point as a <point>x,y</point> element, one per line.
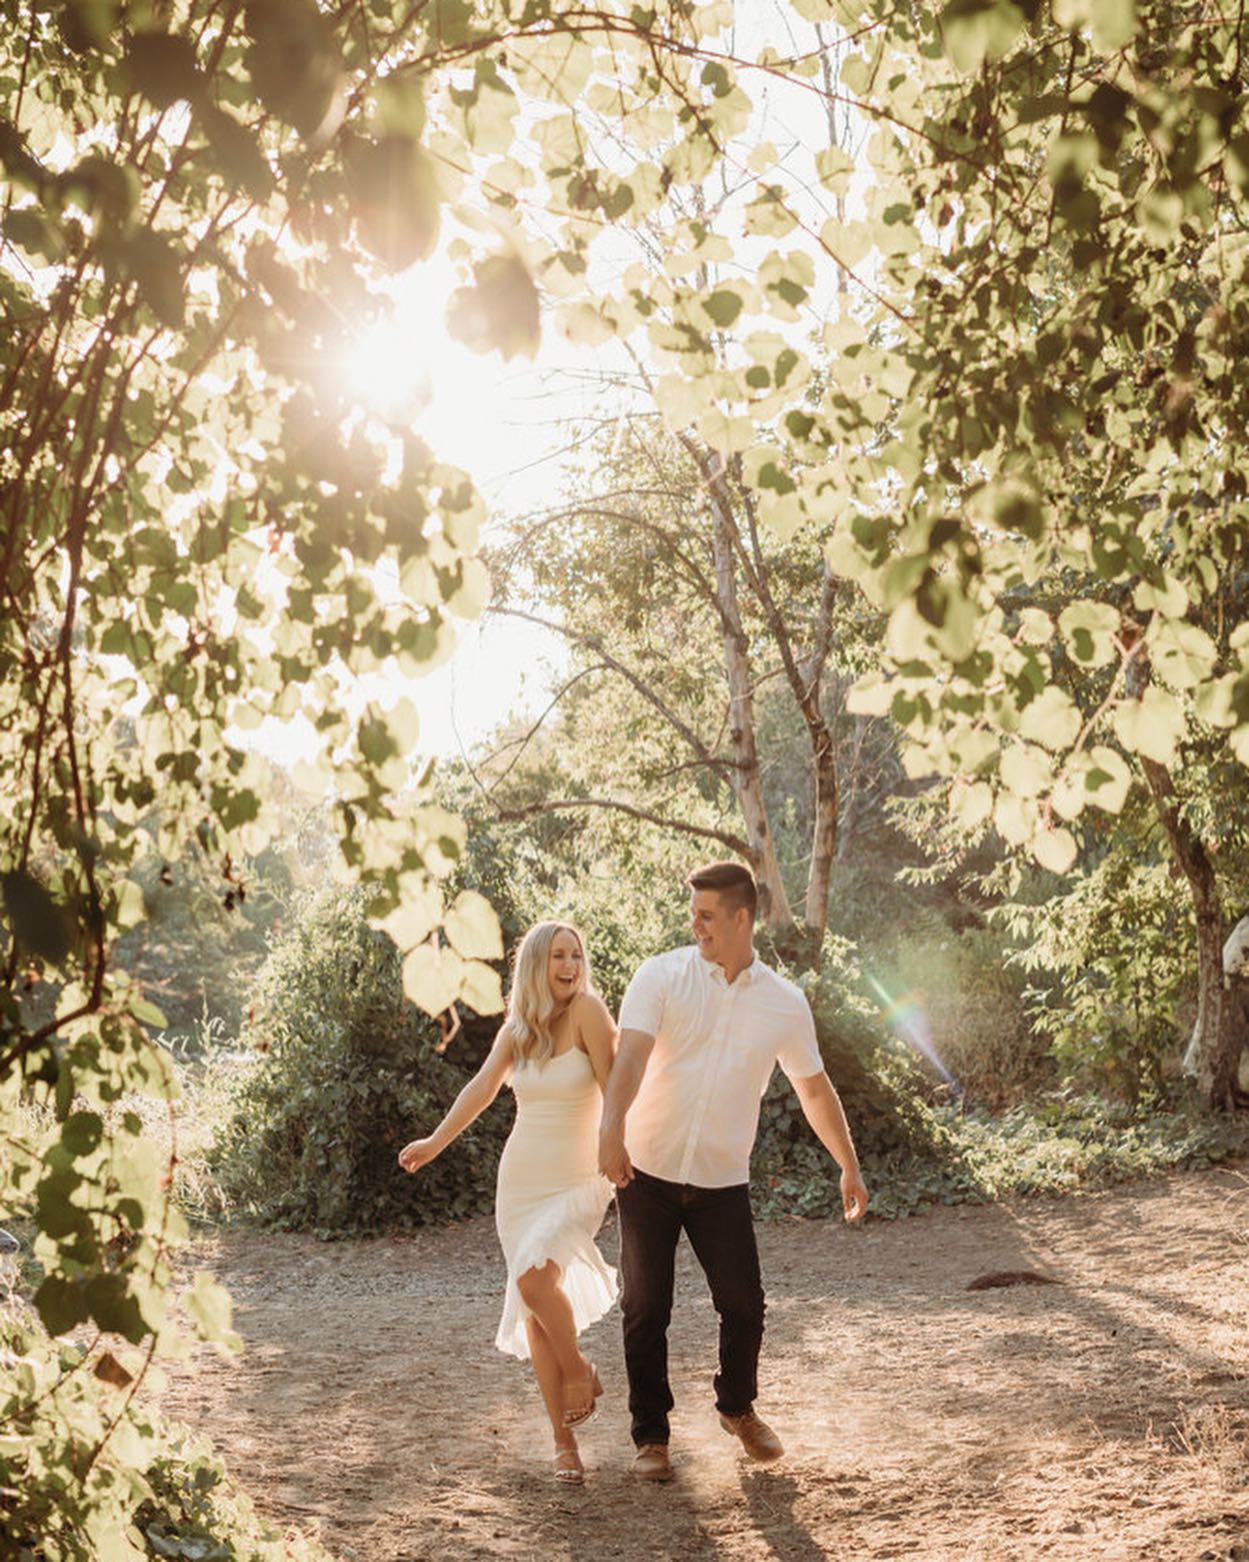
<point>565,966</point>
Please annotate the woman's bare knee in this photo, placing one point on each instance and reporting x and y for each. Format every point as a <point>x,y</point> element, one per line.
<point>537,1284</point>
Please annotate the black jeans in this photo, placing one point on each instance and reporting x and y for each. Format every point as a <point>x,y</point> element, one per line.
<point>718,1222</point>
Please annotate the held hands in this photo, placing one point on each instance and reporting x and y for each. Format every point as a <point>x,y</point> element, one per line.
<point>854,1194</point>
<point>417,1154</point>
<point>613,1159</point>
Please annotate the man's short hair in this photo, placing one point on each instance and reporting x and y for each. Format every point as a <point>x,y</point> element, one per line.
<point>734,883</point>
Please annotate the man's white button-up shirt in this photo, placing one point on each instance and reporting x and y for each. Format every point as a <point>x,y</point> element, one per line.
<point>696,1113</point>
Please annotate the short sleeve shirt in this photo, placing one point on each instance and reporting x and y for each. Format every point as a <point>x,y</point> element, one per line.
<point>696,1112</point>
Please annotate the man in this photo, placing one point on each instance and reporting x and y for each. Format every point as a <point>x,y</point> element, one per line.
<point>701,1029</point>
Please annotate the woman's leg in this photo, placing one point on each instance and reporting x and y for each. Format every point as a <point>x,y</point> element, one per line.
<point>569,1471</point>
<point>550,1382</point>
<point>543,1295</point>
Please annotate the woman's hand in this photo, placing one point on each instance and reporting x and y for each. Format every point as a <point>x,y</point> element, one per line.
<point>417,1154</point>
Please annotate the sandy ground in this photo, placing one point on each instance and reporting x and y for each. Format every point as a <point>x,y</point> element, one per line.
<point>1104,1416</point>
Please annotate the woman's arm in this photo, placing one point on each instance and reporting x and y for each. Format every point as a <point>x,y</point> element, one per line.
<point>596,1031</point>
<point>471,1102</point>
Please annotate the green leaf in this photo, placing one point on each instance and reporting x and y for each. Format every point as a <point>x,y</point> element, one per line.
<point>163,68</point>
<point>971,806</point>
<point>39,923</point>
<point>108,190</point>
<point>156,267</point>
<point>1089,629</point>
<point>1113,24</point>
<point>1051,719</point>
<point>723,306</point>
<point>114,1307</point>
<point>210,1306</point>
<point>417,915</point>
<point>146,1012</point>
<point>32,230</point>
<point>1108,780</point>
<point>81,1132</point>
<point>1152,725</point>
<point>1025,770</point>
<point>976,30</point>
<point>394,198</point>
<point>500,309</point>
<point>294,61</point>
<point>1054,849</point>
<point>1035,627</point>
<point>431,978</point>
<point>242,161</point>
<point>473,927</point>
<point>61,1304</point>
<point>1182,654</point>
<point>469,596</point>
<point>481,988</point>
<point>87,24</point>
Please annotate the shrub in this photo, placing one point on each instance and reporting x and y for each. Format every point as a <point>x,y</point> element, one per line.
<point>1110,963</point>
<point>882,1087</point>
<point>343,1072</point>
<point>89,1473</point>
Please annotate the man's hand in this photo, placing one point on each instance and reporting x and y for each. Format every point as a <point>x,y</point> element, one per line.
<point>417,1154</point>
<point>613,1158</point>
<point>854,1194</point>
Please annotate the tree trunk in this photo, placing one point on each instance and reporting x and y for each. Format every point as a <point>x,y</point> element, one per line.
<point>1210,1058</point>
<point>774,905</point>
<point>823,834</point>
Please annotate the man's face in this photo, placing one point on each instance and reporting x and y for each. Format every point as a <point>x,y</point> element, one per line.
<point>718,931</point>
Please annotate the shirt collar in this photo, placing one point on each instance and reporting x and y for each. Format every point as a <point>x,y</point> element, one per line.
<point>715,972</point>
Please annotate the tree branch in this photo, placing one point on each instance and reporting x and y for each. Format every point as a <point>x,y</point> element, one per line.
<point>718,766</point>
<point>703,832</point>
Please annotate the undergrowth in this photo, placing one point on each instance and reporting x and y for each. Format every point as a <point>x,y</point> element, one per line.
<point>1060,1145</point>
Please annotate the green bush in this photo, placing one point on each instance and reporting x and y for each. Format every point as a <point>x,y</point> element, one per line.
<point>886,1093</point>
<point>343,1071</point>
<point>1111,969</point>
<point>918,1148</point>
<point>89,1473</point>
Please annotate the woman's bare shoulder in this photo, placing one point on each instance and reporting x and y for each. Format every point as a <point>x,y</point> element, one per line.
<point>589,1006</point>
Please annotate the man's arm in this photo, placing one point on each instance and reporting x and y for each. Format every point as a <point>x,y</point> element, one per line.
<point>822,1108</point>
<point>632,1055</point>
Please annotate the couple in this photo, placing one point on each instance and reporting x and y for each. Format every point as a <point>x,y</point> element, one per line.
<point>667,1112</point>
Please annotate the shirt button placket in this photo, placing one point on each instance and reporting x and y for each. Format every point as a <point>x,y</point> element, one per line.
<point>711,1071</point>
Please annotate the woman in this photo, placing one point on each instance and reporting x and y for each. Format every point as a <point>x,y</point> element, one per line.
<point>555,1046</point>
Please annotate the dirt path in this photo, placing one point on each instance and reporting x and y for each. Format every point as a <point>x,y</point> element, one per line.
<point>1106,1416</point>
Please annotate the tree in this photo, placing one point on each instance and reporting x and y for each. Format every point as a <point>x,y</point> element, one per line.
<point>1038,371</point>
<point>1074,405</point>
<point>658,575</point>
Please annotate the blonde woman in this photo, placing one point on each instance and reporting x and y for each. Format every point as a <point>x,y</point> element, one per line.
<point>555,1047</point>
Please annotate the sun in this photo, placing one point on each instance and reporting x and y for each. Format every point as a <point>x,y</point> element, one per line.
<point>409,371</point>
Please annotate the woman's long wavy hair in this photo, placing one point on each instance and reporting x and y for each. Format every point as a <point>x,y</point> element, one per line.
<point>531,1005</point>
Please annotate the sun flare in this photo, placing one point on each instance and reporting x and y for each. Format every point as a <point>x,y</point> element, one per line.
<point>408,370</point>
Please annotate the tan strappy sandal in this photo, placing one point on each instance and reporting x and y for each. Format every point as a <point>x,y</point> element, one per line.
<point>569,1471</point>
<point>580,1417</point>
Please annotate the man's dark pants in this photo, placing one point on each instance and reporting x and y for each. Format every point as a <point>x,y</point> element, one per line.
<point>718,1222</point>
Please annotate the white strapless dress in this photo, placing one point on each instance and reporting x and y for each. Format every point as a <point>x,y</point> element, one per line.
<point>551,1197</point>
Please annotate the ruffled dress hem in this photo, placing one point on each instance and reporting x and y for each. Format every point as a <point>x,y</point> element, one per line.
<point>564,1235</point>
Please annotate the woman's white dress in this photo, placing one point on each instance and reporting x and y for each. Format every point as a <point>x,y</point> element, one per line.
<point>551,1197</point>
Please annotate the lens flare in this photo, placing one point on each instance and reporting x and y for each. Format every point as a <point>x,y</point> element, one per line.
<point>908,1019</point>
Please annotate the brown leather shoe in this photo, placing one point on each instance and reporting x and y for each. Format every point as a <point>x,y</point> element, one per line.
<point>651,1462</point>
<point>757,1438</point>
